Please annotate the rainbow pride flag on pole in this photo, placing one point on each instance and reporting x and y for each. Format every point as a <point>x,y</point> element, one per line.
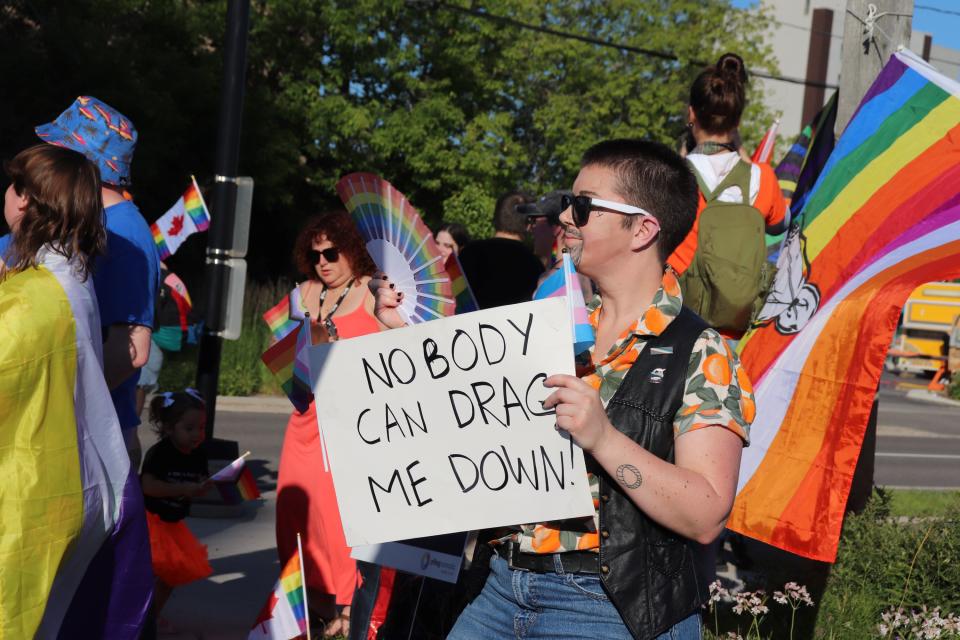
<point>284,616</point>
<point>278,318</point>
<point>235,482</point>
<point>187,216</point>
<point>287,360</point>
<point>764,151</point>
<point>564,282</point>
<point>74,549</point>
<point>882,219</point>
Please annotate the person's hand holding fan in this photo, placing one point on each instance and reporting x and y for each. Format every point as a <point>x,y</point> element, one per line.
<point>403,249</point>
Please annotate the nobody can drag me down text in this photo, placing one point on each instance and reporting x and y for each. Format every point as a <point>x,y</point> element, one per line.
<point>497,402</point>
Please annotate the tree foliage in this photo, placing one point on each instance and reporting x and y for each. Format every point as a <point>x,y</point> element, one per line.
<point>452,108</point>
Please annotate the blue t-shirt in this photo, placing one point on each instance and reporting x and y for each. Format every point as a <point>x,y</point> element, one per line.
<point>126,278</point>
<point>4,243</point>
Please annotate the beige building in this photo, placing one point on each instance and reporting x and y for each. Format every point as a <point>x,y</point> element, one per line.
<point>806,40</point>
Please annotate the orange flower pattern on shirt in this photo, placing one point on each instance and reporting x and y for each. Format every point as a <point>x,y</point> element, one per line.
<point>717,393</point>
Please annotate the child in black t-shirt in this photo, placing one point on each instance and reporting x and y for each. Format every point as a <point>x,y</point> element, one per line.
<point>174,471</point>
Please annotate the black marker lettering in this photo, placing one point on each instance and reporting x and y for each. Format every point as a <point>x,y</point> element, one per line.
<point>483,470</point>
<point>524,332</point>
<point>476,472</point>
<point>461,423</point>
<point>542,412</point>
<point>482,402</point>
<point>430,356</point>
<point>413,369</point>
<point>507,405</point>
<point>360,433</point>
<point>385,378</point>
<point>483,343</point>
<point>453,350</point>
<point>394,478</point>
<point>414,483</point>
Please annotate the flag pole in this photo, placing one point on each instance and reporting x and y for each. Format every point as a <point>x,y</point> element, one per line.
<point>303,584</point>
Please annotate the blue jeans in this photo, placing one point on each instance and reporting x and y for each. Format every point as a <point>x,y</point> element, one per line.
<point>521,604</point>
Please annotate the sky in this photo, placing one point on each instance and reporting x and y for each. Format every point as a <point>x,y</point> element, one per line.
<point>945,27</point>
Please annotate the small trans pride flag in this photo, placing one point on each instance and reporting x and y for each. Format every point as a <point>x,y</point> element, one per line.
<point>186,217</point>
<point>564,282</point>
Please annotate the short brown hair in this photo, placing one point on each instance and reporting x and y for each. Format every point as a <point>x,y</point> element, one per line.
<point>653,177</point>
<point>718,95</point>
<point>340,230</point>
<point>64,209</point>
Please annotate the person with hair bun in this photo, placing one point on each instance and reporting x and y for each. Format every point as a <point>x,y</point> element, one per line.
<point>724,172</point>
<point>175,471</point>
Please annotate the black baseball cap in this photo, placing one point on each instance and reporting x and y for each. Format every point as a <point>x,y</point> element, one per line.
<point>548,205</point>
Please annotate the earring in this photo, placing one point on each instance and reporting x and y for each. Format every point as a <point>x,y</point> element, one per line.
<point>690,126</point>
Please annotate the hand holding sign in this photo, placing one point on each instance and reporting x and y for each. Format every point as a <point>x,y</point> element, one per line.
<point>441,427</point>
<point>579,410</point>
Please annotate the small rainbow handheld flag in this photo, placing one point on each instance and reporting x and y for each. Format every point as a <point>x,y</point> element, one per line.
<point>466,301</point>
<point>279,320</point>
<point>284,616</point>
<point>187,216</point>
<point>287,360</point>
<point>564,282</point>
<point>235,482</point>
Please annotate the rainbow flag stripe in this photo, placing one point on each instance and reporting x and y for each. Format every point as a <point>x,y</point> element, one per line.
<point>159,240</point>
<point>279,320</point>
<point>291,583</point>
<point>195,206</point>
<point>286,359</point>
<point>466,301</point>
<point>242,488</point>
<point>882,219</point>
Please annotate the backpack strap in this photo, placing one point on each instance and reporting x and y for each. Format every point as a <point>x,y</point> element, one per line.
<point>739,176</point>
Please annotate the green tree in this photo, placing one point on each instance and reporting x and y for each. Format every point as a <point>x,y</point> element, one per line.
<point>452,108</point>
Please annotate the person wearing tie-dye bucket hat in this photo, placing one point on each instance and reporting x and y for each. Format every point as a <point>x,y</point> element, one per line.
<point>126,278</point>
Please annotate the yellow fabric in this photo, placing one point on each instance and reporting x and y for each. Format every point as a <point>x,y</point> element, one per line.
<point>41,500</point>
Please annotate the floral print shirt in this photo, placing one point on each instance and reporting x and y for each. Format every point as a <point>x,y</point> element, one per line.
<point>718,393</point>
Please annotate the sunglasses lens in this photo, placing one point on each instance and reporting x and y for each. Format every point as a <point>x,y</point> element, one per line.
<point>314,256</point>
<point>331,255</point>
<point>581,210</point>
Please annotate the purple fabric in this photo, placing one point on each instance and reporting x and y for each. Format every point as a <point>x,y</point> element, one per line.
<point>115,594</point>
<point>888,77</point>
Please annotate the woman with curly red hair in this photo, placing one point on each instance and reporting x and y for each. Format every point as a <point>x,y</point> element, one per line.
<point>331,255</point>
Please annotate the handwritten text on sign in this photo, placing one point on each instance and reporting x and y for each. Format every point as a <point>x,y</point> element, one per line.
<point>440,427</point>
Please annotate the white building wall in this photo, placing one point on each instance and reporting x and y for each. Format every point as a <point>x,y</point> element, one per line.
<point>789,37</point>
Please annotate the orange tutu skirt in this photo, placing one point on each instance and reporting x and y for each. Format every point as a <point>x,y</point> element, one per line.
<point>178,557</point>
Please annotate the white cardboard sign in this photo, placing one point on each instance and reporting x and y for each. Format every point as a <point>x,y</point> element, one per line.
<point>439,427</point>
<point>437,557</point>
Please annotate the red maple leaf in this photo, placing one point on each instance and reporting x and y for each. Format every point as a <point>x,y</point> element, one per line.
<point>176,226</point>
<point>267,612</point>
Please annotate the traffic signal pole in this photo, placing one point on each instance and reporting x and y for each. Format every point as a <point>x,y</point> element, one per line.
<point>223,202</point>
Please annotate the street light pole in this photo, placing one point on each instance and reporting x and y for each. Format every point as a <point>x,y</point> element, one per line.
<point>224,201</point>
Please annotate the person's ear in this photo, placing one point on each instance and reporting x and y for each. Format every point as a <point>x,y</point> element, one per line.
<point>691,116</point>
<point>646,230</point>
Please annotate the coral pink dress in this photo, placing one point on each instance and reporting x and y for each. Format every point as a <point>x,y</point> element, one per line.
<point>306,501</point>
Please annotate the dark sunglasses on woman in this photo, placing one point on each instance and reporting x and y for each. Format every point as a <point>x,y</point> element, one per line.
<point>583,205</point>
<point>330,254</point>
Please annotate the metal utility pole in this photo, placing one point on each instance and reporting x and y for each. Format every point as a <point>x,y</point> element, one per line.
<point>872,32</point>
<point>224,201</point>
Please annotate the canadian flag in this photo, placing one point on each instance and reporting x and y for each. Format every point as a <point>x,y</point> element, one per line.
<point>180,221</point>
<point>284,616</point>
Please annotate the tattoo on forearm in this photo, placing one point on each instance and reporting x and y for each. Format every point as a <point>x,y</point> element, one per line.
<point>629,476</point>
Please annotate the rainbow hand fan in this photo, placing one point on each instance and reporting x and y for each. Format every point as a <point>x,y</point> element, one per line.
<point>401,245</point>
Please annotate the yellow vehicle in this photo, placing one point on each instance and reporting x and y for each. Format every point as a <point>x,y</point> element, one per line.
<point>929,319</point>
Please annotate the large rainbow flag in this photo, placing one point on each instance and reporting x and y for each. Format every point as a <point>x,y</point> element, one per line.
<point>74,551</point>
<point>187,216</point>
<point>882,219</point>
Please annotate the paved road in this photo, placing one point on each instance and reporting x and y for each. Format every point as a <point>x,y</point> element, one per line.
<point>918,443</point>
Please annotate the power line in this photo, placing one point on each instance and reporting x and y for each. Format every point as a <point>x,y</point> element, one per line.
<point>924,7</point>
<point>663,55</point>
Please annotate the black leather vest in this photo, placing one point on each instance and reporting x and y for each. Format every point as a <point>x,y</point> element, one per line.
<point>649,572</point>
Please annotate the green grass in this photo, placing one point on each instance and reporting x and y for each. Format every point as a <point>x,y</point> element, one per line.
<point>920,503</point>
<point>241,371</point>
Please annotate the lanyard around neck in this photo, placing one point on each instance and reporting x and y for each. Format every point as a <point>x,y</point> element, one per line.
<point>343,294</point>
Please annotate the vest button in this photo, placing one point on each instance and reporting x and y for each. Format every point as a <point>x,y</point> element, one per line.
<point>604,569</point>
<point>605,497</point>
<point>605,533</point>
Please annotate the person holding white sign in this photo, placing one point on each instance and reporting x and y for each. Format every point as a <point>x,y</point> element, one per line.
<point>663,417</point>
<point>330,254</point>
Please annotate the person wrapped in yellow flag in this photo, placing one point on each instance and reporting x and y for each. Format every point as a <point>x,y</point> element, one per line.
<point>61,450</point>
